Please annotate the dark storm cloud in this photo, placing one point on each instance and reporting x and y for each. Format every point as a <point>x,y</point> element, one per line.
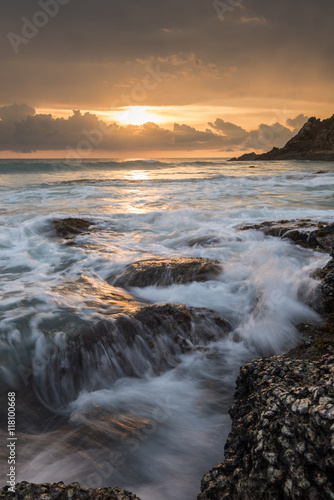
<point>22,130</point>
<point>91,50</point>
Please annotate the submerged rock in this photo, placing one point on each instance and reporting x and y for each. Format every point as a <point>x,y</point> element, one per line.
<point>282,437</point>
<point>66,228</point>
<point>315,142</point>
<point>165,272</point>
<point>304,232</point>
<point>148,342</point>
<point>58,491</point>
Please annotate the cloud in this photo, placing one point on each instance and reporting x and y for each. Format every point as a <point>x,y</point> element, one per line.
<point>230,130</point>
<point>269,136</point>
<point>264,137</point>
<point>41,132</point>
<point>15,112</point>
<point>298,122</point>
<point>22,130</point>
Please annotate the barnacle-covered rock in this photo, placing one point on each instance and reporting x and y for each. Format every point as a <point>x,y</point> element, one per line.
<point>58,491</point>
<point>281,442</point>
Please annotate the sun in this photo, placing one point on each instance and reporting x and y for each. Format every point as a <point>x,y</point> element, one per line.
<point>136,115</point>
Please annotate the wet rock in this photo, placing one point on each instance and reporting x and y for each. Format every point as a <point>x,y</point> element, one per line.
<point>315,142</point>
<point>58,491</point>
<point>282,430</point>
<point>316,340</point>
<point>150,341</point>
<point>69,227</point>
<point>304,232</point>
<point>326,275</point>
<point>165,272</point>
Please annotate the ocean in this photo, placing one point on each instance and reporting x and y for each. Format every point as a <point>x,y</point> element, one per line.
<point>155,429</point>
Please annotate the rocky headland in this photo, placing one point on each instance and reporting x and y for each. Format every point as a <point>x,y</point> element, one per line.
<point>314,142</point>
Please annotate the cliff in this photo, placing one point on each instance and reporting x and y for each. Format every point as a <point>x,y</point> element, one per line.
<point>314,142</point>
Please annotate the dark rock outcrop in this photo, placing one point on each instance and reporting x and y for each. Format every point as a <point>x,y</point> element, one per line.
<point>58,491</point>
<point>317,340</point>
<point>304,232</point>
<point>326,275</point>
<point>69,227</point>
<point>315,142</point>
<point>165,272</point>
<point>280,445</point>
<point>150,341</point>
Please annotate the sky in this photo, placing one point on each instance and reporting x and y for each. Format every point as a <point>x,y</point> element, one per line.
<point>107,78</point>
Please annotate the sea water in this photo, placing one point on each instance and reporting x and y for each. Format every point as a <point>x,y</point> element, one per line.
<point>155,434</point>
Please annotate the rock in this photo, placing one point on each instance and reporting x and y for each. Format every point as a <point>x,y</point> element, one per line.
<point>246,157</point>
<point>326,275</point>
<point>150,341</point>
<point>314,142</point>
<point>304,232</point>
<point>165,272</point>
<point>282,427</point>
<point>66,228</point>
<point>317,340</point>
<point>58,491</point>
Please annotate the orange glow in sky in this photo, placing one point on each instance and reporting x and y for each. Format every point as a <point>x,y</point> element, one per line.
<point>136,115</point>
